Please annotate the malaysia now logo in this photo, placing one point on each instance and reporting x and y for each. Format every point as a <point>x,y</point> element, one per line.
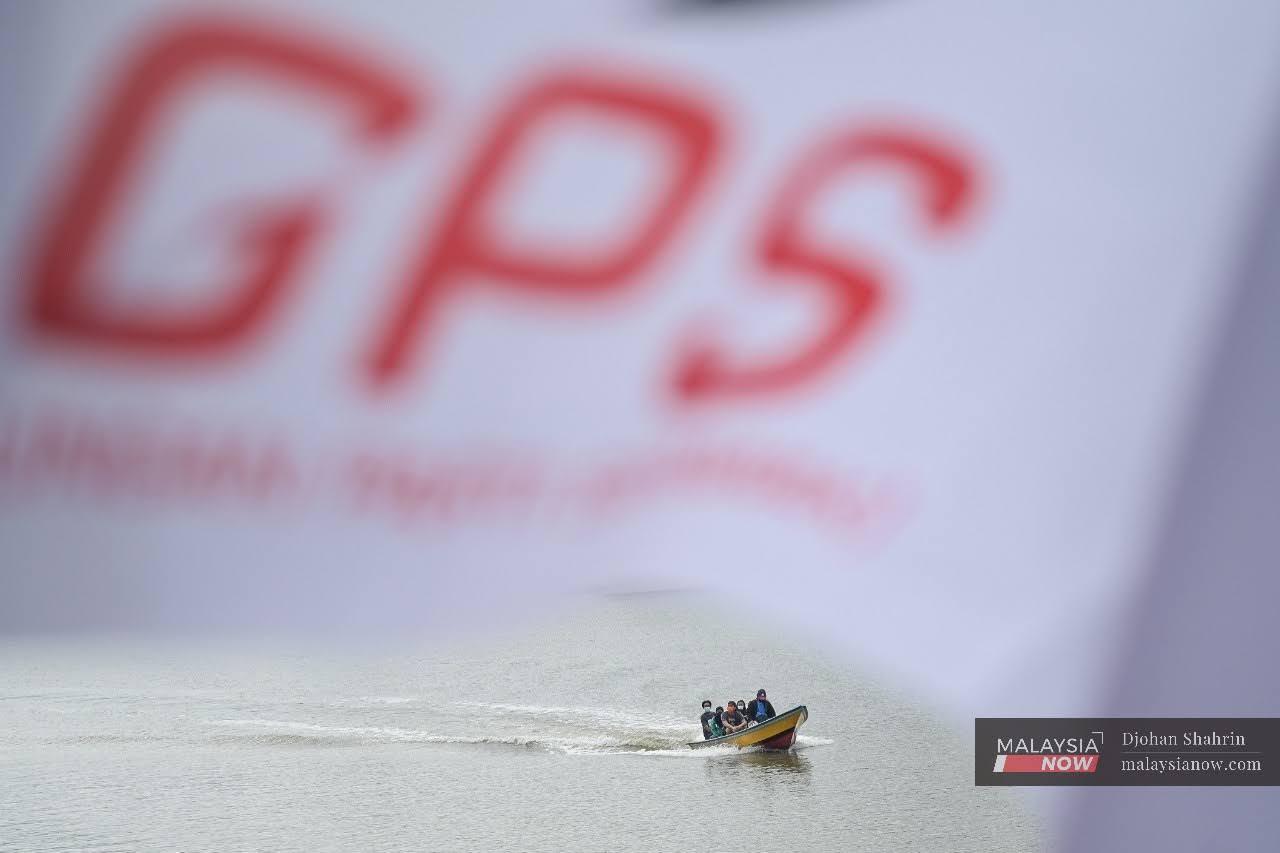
<point>1048,755</point>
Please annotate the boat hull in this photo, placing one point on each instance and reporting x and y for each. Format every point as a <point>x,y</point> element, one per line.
<point>776,733</point>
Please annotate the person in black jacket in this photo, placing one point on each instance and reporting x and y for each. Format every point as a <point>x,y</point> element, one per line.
<point>707,716</point>
<point>760,709</point>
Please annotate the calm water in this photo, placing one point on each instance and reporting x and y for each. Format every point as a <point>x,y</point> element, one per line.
<point>565,737</point>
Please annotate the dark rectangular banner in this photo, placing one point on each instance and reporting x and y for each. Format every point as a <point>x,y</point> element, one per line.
<point>1127,751</point>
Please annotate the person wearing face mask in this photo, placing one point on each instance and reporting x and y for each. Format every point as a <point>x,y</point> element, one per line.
<point>707,716</point>
<point>742,709</point>
<point>760,708</point>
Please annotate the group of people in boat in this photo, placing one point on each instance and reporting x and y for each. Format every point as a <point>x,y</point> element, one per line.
<point>735,715</point>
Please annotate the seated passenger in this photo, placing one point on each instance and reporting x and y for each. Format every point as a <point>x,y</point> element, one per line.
<point>733,721</point>
<point>760,708</point>
<point>707,716</point>
<point>742,708</point>
<point>717,727</point>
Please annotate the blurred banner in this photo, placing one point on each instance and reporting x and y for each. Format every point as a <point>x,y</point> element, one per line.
<point>890,318</point>
<point>1203,633</point>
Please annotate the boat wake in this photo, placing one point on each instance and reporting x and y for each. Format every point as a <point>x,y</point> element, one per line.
<point>595,717</point>
<point>314,734</point>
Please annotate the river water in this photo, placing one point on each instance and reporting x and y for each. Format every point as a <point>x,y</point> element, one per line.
<point>565,736</point>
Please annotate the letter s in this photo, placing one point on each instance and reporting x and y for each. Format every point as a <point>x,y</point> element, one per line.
<point>855,291</point>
